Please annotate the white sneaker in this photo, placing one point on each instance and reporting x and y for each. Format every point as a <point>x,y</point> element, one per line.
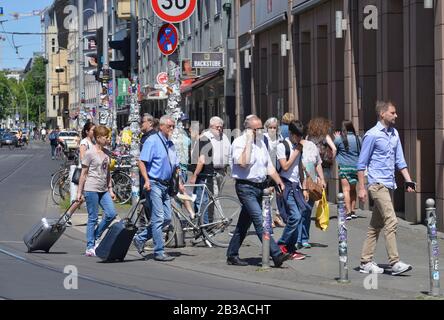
<point>400,267</point>
<point>370,267</point>
<point>90,252</point>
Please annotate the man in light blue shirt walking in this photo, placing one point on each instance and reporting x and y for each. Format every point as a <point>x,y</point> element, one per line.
<point>158,159</point>
<point>381,153</point>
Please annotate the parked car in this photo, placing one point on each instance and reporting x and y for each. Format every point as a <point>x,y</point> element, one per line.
<point>7,138</point>
<point>70,138</point>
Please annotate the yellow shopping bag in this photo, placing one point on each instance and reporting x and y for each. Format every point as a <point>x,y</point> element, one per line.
<point>322,213</point>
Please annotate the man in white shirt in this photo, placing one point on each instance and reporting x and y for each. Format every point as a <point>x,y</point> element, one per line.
<point>251,163</point>
<point>214,152</point>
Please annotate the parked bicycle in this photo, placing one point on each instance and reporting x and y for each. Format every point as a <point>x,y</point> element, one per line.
<point>214,222</point>
<point>121,181</point>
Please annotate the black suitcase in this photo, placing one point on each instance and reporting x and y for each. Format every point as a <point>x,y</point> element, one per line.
<point>114,246</point>
<point>47,231</point>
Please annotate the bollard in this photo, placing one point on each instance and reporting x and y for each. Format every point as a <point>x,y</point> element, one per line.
<point>342,243</point>
<point>433,247</point>
<point>267,230</point>
<point>72,186</point>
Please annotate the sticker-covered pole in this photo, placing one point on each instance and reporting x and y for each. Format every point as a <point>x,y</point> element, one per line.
<point>433,247</point>
<point>342,237</point>
<point>267,230</point>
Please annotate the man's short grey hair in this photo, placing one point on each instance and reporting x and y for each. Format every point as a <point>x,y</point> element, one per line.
<point>147,117</point>
<point>270,121</point>
<point>163,120</point>
<point>249,119</point>
<point>215,121</point>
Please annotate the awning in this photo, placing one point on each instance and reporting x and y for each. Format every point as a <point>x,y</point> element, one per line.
<point>198,82</point>
<point>270,23</point>
<point>305,5</point>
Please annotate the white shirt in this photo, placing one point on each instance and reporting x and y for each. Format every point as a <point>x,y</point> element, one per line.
<point>292,173</point>
<point>221,149</point>
<point>260,161</point>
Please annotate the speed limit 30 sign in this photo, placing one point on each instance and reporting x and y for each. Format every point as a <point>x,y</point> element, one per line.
<point>173,11</point>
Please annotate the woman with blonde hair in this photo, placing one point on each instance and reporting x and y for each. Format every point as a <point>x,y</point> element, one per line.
<point>287,118</point>
<point>96,188</point>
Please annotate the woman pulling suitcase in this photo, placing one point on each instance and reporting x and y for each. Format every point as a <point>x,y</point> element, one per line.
<point>96,188</point>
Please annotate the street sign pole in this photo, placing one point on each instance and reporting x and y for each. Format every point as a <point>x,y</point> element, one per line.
<point>82,112</point>
<point>134,111</point>
<point>114,82</point>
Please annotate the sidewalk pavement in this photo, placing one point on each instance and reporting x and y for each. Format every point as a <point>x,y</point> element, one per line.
<point>319,271</point>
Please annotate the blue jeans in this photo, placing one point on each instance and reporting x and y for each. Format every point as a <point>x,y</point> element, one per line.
<point>251,200</point>
<point>294,218</point>
<point>159,202</point>
<point>201,204</point>
<point>93,200</point>
<point>53,147</point>
<point>304,226</point>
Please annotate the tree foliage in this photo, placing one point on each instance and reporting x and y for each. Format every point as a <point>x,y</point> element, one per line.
<point>16,96</point>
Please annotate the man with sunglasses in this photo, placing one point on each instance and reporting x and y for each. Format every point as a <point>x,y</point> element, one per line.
<point>158,159</point>
<point>251,163</point>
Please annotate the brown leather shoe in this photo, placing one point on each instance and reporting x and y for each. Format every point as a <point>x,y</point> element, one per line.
<point>278,221</point>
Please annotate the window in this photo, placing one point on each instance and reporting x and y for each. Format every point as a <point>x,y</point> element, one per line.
<point>53,102</point>
<point>217,8</point>
<point>206,13</point>
<point>242,2</point>
<point>189,25</point>
<point>181,31</point>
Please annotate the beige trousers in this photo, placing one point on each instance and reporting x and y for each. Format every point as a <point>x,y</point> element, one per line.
<point>383,217</point>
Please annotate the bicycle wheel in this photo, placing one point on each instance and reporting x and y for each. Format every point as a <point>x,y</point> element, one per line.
<point>223,213</point>
<point>168,232</point>
<point>55,176</point>
<point>121,186</point>
<point>61,190</point>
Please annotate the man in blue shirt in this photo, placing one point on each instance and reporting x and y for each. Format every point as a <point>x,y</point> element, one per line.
<point>381,153</point>
<point>158,159</point>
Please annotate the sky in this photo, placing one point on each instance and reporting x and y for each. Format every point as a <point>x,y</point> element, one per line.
<point>28,44</point>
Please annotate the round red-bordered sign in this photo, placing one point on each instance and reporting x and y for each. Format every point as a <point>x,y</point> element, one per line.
<point>162,78</point>
<point>173,11</point>
<point>167,39</point>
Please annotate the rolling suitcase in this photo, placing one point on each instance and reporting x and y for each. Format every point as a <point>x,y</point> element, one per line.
<point>47,231</point>
<point>114,246</point>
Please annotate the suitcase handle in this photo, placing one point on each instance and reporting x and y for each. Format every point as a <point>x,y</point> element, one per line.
<point>69,212</point>
<point>132,211</point>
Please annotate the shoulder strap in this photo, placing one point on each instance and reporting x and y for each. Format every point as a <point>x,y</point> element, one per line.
<point>358,143</point>
<point>287,152</point>
<point>266,142</point>
<point>287,149</point>
<point>166,149</point>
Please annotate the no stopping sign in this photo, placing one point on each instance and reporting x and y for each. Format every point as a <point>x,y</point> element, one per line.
<point>173,11</point>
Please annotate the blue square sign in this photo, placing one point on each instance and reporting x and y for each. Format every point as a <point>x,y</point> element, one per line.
<point>1,11</point>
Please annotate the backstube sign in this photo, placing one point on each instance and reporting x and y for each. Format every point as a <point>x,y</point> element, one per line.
<point>207,59</point>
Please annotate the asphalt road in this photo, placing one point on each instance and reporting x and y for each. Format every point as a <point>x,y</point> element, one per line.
<point>25,198</point>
